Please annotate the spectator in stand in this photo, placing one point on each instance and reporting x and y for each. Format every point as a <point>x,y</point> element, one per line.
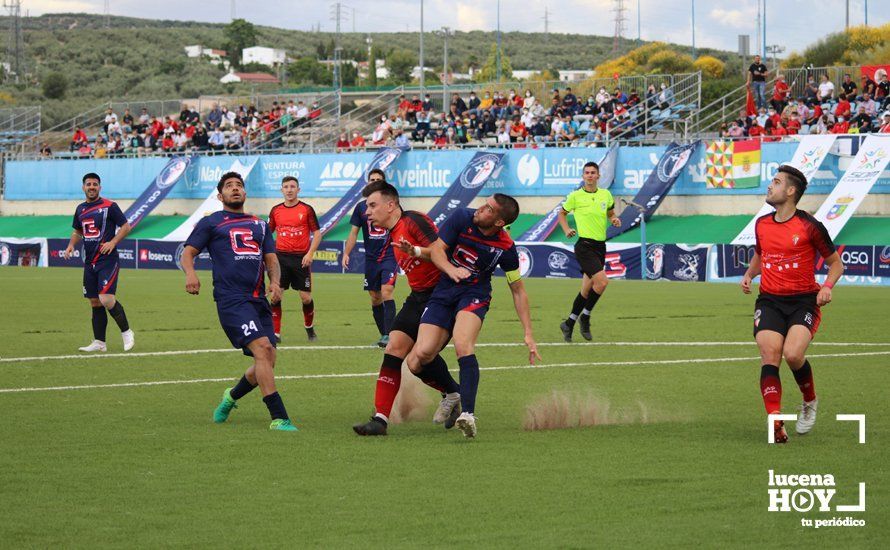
<point>85,151</point>
<point>402,141</point>
<point>422,126</point>
<point>200,139</point>
<point>233,142</point>
<point>756,130</point>
<point>133,146</point>
<point>114,129</point>
<point>724,130</point>
<point>440,140</point>
<point>109,118</point>
<point>570,102</point>
<point>381,132</point>
<point>540,132</point>
<point>516,103</point>
<point>762,116</point>
<point>343,144</point>
<point>503,135</point>
<point>144,119</point>
<point>849,87</point>
<point>823,126</point>
<point>214,117</point>
<point>487,103</point>
<point>843,107</point>
<point>167,143</point>
<point>882,89</point>
<point>529,100</point>
<point>217,140</point>
<point>395,123</point>
<point>781,92</point>
<point>634,98</point>
<point>127,121</point>
<point>870,105</point>
<point>861,122</point>
<point>182,141</point>
<point>500,105</point>
<point>416,107</point>
<point>101,148</point>
<point>458,107</point>
<point>735,130</point>
<point>403,107</point>
<point>666,96</point>
<point>45,150</point>
<point>78,140</point>
<point>518,132</point>
<point>461,134</point>
<point>793,126</point>
<point>885,123</point>
<point>811,90</point>
<point>302,115</point>
<point>149,144</point>
<point>184,113</point>
<point>487,124</point>
<point>358,141</point>
<point>757,81</point>
<point>603,97</point>
<point>473,104</point>
<point>826,89</point>
<point>869,86</point>
<point>194,116</point>
<point>651,97</point>
<point>619,95</point>
<point>774,116</point>
<point>427,104</point>
<point>842,126</point>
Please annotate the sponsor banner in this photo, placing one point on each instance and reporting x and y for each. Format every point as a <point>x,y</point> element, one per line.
<point>658,184</point>
<point>557,260</point>
<point>857,181</point>
<point>22,252</point>
<point>158,189</point>
<point>676,262</point>
<point>466,186</point>
<point>329,257</point>
<point>382,160</point>
<point>882,261</point>
<point>732,260</point>
<point>126,253</point>
<point>859,261</point>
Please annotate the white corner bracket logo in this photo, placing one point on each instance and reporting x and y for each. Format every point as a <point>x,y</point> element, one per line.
<point>527,170</point>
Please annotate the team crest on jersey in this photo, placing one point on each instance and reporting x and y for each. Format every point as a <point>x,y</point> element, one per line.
<point>794,239</point>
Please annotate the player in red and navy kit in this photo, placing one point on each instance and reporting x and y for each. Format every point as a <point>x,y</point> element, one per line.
<point>102,226</point>
<point>380,263</point>
<point>243,252</point>
<point>471,244</point>
<point>294,221</point>
<point>410,233</point>
<point>787,312</point>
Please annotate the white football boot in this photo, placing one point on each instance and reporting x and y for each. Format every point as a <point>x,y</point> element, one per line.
<point>129,338</point>
<point>806,418</point>
<point>97,345</point>
<point>466,423</point>
<point>448,403</point>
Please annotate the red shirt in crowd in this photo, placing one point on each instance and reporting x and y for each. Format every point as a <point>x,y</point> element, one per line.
<point>842,109</point>
<point>840,127</point>
<point>780,92</point>
<point>793,127</point>
<point>788,253</point>
<point>294,225</point>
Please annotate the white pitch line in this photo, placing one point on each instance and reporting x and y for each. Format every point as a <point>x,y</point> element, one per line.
<point>82,356</point>
<point>370,374</point>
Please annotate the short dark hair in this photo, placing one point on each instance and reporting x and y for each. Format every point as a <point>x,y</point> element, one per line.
<point>377,171</point>
<point>91,175</point>
<point>228,175</point>
<point>591,163</point>
<point>508,206</point>
<point>386,189</point>
<point>796,178</point>
<point>290,178</point>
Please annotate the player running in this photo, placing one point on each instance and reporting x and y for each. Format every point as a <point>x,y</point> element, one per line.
<point>294,220</point>
<point>411,233</point>
<point>380,263</point>
<point>102,226</point>
<point>243,252</point>
<point>787,312</point>
<point>594,210</point>
<point>471,244</point>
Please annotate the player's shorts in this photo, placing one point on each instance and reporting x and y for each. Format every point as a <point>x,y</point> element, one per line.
<point>245,321</point>
<point>780,313</point>
<point>591,256</point>
<point>293,274</point>
<point>408,318</point>
<point>445,303</point>
<point>379,274</point>
<point>100,278</point>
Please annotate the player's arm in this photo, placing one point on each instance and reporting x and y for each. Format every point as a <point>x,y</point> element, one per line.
<point>520,302</point>
<point>273,270</point>
<point>76,237</point>
<point>316,242</point>
<point>350,244</point>
<point>563,219</point>
<point>187,260</point>
<point>122,233</point>
<point>439,256</point>
<point>422,252</point>
<point>835,270</point>
<point>613,219</point>
<point>752,271</point>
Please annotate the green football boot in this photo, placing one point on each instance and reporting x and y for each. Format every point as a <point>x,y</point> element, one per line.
<point>221,414</point>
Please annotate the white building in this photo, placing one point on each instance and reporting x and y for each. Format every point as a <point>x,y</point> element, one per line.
<point>216,56</point>
<point>263,55</point>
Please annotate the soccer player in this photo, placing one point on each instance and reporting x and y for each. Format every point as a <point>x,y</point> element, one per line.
<point>471,244</point>
<point>102,226</point>
<point>411,234</point>
<point>294,221</point>
<point>787,311</point>
<point>243,252</point>
<point>380,263</point>
<point>594,209</point>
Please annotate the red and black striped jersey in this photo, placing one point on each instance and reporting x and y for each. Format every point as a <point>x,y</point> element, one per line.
<point>293,226</point>
<point>419,230</point>
<point>788,253</point>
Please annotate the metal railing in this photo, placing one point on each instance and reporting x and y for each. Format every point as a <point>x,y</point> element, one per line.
<point>361,118</point>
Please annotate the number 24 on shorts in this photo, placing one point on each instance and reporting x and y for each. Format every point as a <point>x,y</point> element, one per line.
<point>249,328</point>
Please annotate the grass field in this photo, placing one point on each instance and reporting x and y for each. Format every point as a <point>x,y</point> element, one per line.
<point>120,451</point>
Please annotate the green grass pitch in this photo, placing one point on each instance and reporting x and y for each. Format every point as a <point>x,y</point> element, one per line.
<point>138,464</point>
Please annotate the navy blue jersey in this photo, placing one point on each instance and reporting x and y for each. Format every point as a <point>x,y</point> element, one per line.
<point>377,245</point>
<point>98,222</point>
<point>236,243</point>
<point>469,248</point>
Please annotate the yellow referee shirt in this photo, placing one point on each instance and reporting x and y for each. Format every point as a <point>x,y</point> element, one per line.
<point>591,212</point>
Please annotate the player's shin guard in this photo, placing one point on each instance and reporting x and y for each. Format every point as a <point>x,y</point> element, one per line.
<point>276,406</point>
<point>435,375</point>
<point>309,314</point>
<point>242,388</point>
<point>377,311</point>
<point>100,323</point>
<point>120,316</point>
<point>276,317</point>
<point>387,385</point>
<point>592,299</point>
<point>577,306</point>
<point>804,378</point>
<point>389,315</point>
<point>469,382</point>
<point>771,389</point>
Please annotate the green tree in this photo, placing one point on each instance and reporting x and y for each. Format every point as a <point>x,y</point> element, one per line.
<point>348,73</point>
<point>307,70</point>
<point>239,34</point>
<point>55,85</point>
<point>489,71</point>
<point>372,68</point>
<point>400,62</point>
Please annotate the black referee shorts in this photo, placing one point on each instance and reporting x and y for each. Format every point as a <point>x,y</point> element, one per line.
<point>408,318</point>
<point>293,274</point>
<point>591,255</point>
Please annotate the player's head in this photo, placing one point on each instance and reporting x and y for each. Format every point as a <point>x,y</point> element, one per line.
<point>591,173</point>
<point>290,188</point>
<point>376,175</point>
<point>382,200</point>
<point>231,190</point>
<point>788,184</point>
<point>92,185</point>
<point>498,211</point>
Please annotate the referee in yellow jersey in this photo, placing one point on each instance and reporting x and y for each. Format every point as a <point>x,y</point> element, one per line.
<point>594,209</point>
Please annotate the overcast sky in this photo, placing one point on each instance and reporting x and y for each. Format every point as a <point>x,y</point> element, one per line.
<point>790,23</point>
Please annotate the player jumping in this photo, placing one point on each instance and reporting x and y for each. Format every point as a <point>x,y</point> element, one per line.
<point>411,234</point>
<point>243,252</point>
<point>787,312</point>
<point>471,244</point>
<point>380,263</point>
<point>102,226</point>
<point>294,220</point>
